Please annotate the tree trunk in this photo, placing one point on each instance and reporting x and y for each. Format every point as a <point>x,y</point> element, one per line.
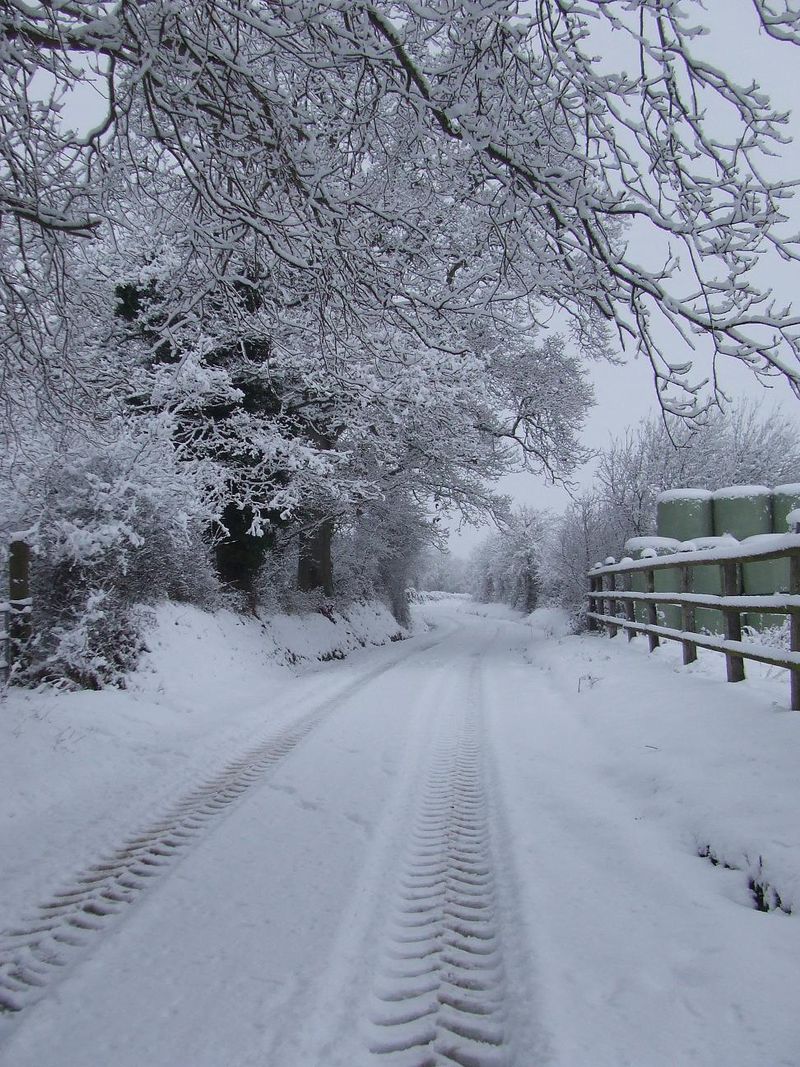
<point>315,567</point>
<point>530,594</point>
<point>239,555</point>
<point>19,595</point>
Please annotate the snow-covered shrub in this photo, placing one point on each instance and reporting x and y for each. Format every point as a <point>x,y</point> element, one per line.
<point>438,569</point>
<point>505,568</point>
<point>778,636</point>
<point>573,543</point>
<point>275,588</point>
<point>114,523</point>
<point>376,553</point>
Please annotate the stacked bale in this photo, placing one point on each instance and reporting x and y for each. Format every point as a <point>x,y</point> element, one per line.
<point>746,511</point>
<point>664,580</point>
<point>785,499</point>
<point>696,519</point>
<point>707,578</point>
<point>686,515</point>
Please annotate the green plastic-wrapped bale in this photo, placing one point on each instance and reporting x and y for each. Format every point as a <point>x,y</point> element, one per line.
<point>707,578</point>
<point>743,511</point>
<point>785,498</point>
<point>682,514</point>
<point>665,581</point>
<point>746,511</point>
<point>685,514</point>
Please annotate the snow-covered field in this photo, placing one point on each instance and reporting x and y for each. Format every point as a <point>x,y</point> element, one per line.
<point>481,845</point>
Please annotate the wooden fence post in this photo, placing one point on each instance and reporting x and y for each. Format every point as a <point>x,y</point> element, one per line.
<point>687,617</point>
<point>609,584</point>
<point>733,621</point>
<point>592,603</point>
<point>19,597</point>
<point>794,643</point>
<point>628,605</point>
<point>652,617</point>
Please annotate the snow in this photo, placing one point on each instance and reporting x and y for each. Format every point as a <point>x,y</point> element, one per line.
<point>594,783</point>
<point>684,494</point>
<point>788,489</point>
<point>759,602</point>
<point>761,543</point>
<point>793,518</point>
<point>79,762</point>
<point>658,544</point>
<point>766,546</point>
<point>736,492</point>
<point>756,649</point>
<point>702,543</point>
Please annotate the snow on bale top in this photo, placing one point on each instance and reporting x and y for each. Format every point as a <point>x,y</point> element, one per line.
<point>790,489</point>
<point>657,544</point>
<point>683,494</point>
<point>702,544</point>
<point>738,492</point>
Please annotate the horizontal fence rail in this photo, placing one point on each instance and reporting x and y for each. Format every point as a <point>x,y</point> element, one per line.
<point>612,605</point>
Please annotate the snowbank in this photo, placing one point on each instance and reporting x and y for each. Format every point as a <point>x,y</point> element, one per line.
<point>80,769</point>
<point>550,623</point>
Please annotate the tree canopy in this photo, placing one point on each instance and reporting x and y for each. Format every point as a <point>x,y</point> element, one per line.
<point>387,175</point>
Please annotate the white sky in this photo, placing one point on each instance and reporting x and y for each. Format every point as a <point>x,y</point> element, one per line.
<point>625,394</point>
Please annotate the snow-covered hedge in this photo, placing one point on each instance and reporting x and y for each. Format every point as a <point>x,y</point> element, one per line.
<point>114,524</point>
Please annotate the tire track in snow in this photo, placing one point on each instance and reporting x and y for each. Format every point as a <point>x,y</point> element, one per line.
<point>439,999</point>
<point>35,951</point>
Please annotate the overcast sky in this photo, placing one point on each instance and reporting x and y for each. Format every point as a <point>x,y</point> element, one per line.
<point>625,394</point>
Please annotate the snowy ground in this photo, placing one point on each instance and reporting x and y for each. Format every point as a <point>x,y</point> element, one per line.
<point>478,846</point>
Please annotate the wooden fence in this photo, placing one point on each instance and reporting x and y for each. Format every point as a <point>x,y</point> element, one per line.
<point>612,605</point>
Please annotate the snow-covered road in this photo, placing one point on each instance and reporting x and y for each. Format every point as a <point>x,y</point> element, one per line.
<point>477,847</point>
